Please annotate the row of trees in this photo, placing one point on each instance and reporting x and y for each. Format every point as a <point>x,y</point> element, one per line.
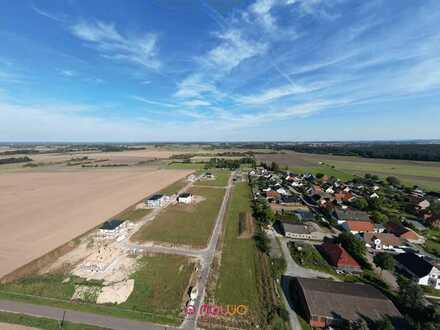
<point>231,164</point>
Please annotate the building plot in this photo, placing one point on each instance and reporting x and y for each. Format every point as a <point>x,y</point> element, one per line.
<point>185,223</point>
<point>40,211</point>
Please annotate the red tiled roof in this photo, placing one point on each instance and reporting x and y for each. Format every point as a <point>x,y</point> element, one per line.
<point>337,255</point>
<point>360,226</point>
<point>400,231</point>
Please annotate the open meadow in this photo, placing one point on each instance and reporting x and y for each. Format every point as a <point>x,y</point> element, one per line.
<point>41,211</point>
<point>423,174</point>
<point>185,224</point>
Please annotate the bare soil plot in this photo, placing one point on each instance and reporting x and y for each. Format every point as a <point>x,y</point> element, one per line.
<point>185,224</point>
<point>40,211</point>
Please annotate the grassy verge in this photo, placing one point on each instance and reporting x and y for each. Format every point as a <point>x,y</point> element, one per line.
<point>432,244</point>
<point>174,188</point>
<point>42,323</point>
<point>185,224</point>
<point>307,256</point>
<point>221,179</point>
<point>430,291</point>
<point>133,214</point>
<point>185,166</point>
<point>237,283</point>
<point>160,284</point>
<point>304,324</point>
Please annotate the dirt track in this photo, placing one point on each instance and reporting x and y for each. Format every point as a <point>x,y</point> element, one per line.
<point>40,211</point>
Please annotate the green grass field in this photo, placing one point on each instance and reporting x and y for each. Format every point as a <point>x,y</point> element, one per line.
<point>174,188</point>
<point>309,257</point>
<point>185,224</point>
<point>160,283</point>
<point>132,214</point>
<point>221,178</point>
<point>237,282</point>
<point>42,323</point>
<point>432,244</point>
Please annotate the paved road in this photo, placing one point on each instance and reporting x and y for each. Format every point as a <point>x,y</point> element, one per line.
<point>78,317</point>
<point>191,321</point>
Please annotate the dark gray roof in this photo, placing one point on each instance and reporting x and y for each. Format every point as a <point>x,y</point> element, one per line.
<point>185,195</point>
<point>305,215</point>
<point>112,224</point>
<point>295,228</point>
<point>352,215</point>
<point>415,264</point>
<point>155,197</point>
<point>349,301</point>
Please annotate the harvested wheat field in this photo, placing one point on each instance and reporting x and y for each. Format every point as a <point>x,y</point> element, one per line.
<point>40,211</point>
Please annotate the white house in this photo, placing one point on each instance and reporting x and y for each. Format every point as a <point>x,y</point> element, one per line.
<point>185,198</point>
<point>374,196</point>
<point>112,228</point>
<point>157,201</point>
<point>330,190</point>
<point>423,205</point>
<point>282,191</point>
<point>421,271</point>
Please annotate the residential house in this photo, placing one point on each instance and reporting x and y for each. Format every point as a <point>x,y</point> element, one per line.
<point>419,270</point>
<point>327,303</point>
<point>357,226</point>
<point>381,241</point>
<point>350,215</point>
<point>112,228</point>
<point>339,258</point>
<point>271,194</point>
<point>305,215</point>
<point>297,230</point>
<point>374,196</point>
<point>185,198</point>
<point>423,205</point>
<point>157,200</point>
<point>400,231</point>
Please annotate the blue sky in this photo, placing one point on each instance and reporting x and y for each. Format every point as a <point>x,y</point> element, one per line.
<point>170,70</point>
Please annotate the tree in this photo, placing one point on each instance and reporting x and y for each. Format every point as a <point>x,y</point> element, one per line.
<point>392,180</point>
<point>435,209</point>
<point>384,324</point>
<point>262,241</point>
<point>360,203</point>
<point>319,175</point>
<point>384,261</point>
<point>410,294</point>
<point>379,217</point>
<point>274,167</point>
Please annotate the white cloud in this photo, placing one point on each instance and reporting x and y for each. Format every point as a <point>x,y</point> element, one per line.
<point>278,92</point>
<point>262,8</point>
<point>162,104</point>
<point>113,45</point>
<point>234,49</point>
<point>196,103</point>
<point>67,73</point>
<point>194,86</point>
<point>58,18</point>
